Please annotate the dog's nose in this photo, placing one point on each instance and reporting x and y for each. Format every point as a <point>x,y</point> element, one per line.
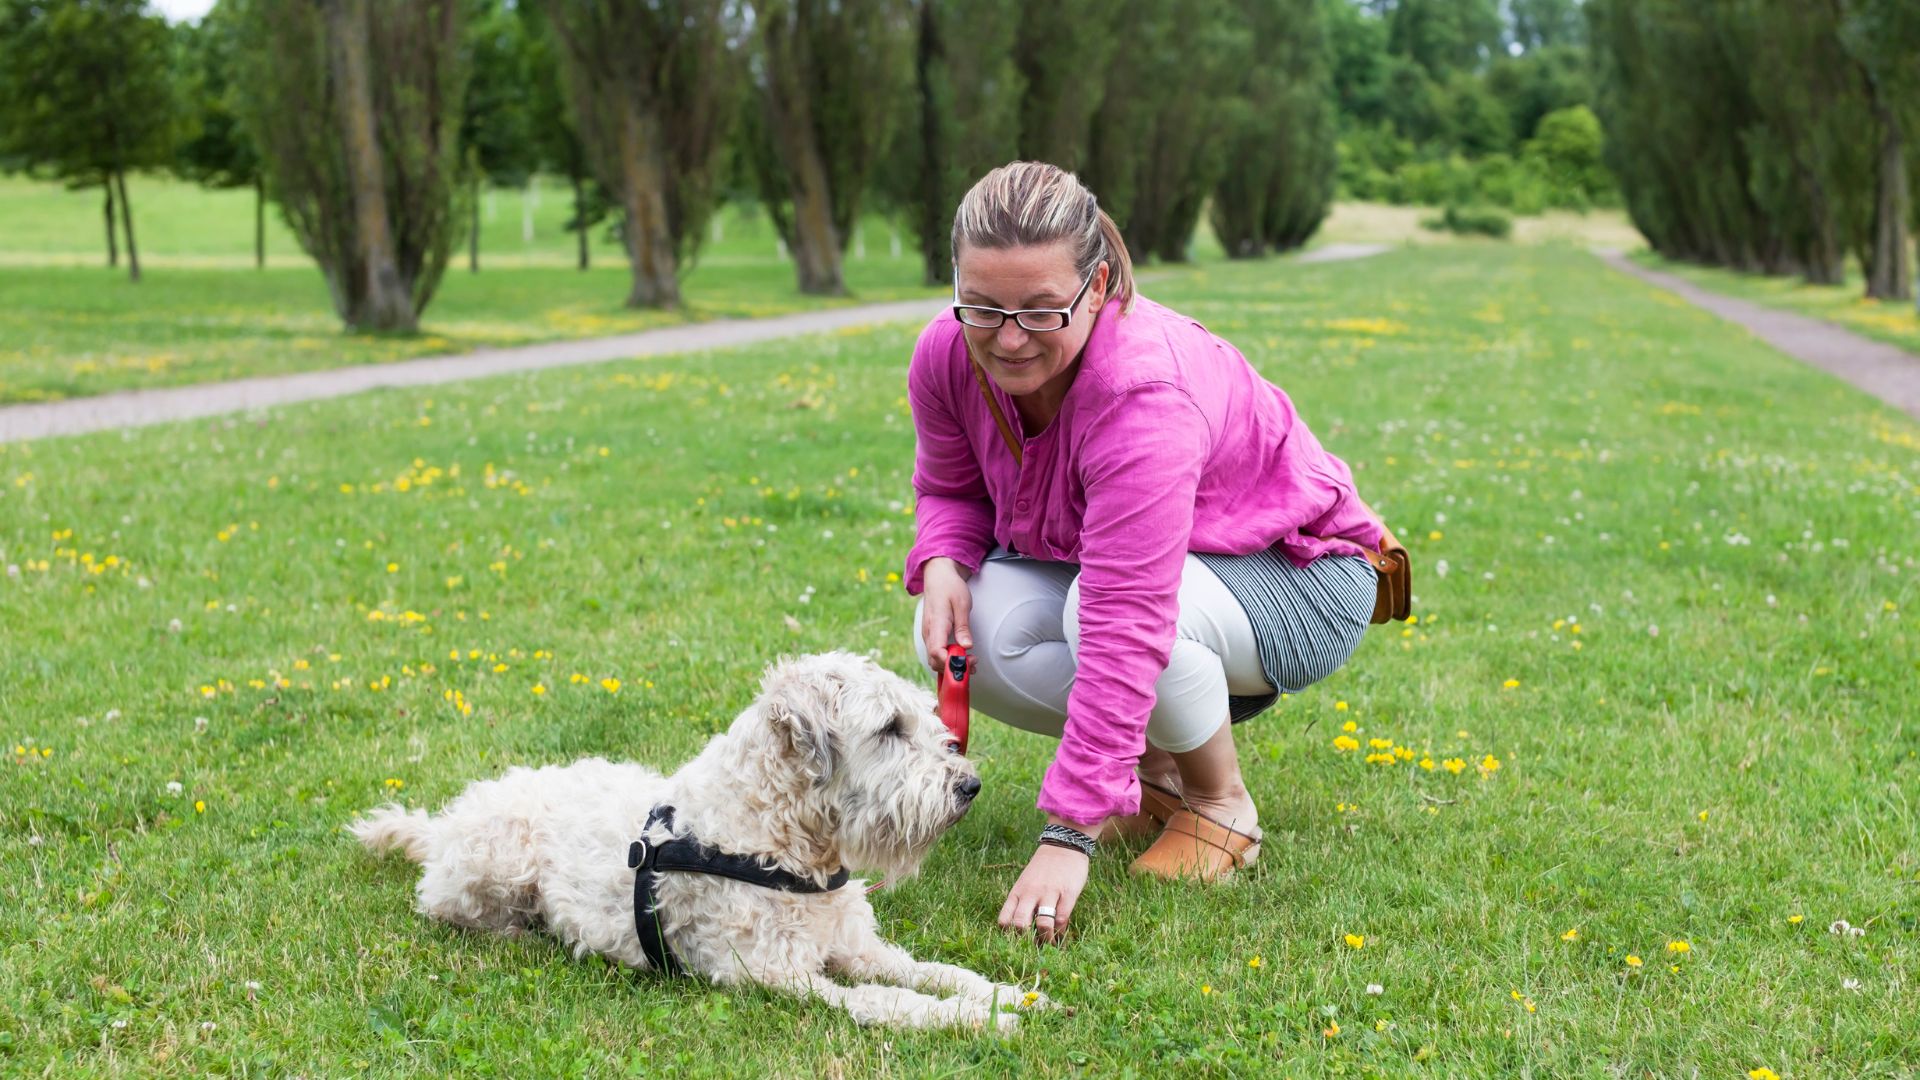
<point>967,789</point>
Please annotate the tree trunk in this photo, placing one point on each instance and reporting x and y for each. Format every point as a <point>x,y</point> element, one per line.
<point>1887,272</point>
<point>814,240</point>
<point>113,242</point>
<point>260,221</point>
<point>473,233</point>
<point>126,226</point>
<point>580,216</point>
<point>643,196</point>
<point>930,207</point>
<point>380,299</point>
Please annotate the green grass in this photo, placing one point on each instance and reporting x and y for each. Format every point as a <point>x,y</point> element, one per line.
<point>72,328</point>
<point>1725,742</point>
<point>1895,322</point>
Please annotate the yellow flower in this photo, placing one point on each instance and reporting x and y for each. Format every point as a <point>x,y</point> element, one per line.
<point>1254,963</point>
<point>1571,935</point>
<point>1529,1006</point>
<point>1339,706</point>
<point>1426,763</point>
<point>393,568</point>
<point>1453,765</point>
<point>1345,742</point>
<point>1349,727</point>
<point>1514,994</point>
<point>1511,683</point>
<point>1795,919</point>
<point>612,686</point>
<point>1489,764</point>
<point>1204,989</point>
<point>1029,998</point>
<point>199,806</point>
<point>1356,941</point>
<point>1332,1029</point>
<point>1678,947</point>
<point>1703,815</point>
<point>1762,1073</point>
<point>1633,961</point>
<point>1380,744</point>
<point>538,689</point>
<point>498,668</point>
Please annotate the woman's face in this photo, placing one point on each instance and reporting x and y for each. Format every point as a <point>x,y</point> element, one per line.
<point>1040,276</point>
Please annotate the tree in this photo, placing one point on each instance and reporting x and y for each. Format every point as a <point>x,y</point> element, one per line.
<point>1280,138</point>
<point>651,84</point>
<point>1061,48</point>
<point>219,153</point>
<point>356,105</point>
<point>966,110</point>
<point>86,95</point>
<point>1883,38</point>
<point>1443,36</point>
<point>826,74</point>
<point>550,123</point>
<point>494,127</point>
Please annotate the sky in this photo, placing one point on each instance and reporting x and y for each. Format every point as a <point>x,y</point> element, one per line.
<point>182,10</point>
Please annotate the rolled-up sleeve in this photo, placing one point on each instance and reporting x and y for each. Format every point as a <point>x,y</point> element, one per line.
<point>952,510</point>
<point>1140,469</point>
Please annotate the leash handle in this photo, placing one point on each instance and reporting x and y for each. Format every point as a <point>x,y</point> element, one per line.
<point>955,712</point>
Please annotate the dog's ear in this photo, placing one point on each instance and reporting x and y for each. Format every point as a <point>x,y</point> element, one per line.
<point>800,729</point>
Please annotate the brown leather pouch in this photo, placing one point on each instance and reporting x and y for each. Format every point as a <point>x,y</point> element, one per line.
<point>1395,600</point>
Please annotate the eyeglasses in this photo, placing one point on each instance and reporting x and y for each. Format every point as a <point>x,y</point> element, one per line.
<point>1032,320</point>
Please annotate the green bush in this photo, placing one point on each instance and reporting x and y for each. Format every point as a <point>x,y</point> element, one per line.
<point>1473,221</point>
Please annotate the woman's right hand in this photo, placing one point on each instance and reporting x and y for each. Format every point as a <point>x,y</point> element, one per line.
<point>946,601</point>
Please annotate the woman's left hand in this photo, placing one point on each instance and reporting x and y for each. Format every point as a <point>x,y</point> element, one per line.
<point>1054,878</point>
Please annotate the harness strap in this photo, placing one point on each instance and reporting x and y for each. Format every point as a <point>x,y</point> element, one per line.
<point>691,856</point>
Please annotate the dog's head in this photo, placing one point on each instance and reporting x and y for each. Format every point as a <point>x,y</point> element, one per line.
<point>865,759</point>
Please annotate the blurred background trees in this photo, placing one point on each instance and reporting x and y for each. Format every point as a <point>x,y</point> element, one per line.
<point>1772,135</point>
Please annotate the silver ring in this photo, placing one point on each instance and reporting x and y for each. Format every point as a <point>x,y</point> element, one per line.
<point>1044,911</point>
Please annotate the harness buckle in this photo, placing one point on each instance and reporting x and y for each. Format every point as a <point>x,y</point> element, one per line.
<point>637,854</point>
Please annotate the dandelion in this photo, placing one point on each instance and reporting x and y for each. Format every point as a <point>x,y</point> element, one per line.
<point>1571,935</point>
<point>538,690</point>
<point>1205,990</point>
<point>1678,947</point>
<point>394,783</point>
<point>1702,815</point>
<point>199,806</point>
<point>1255,963</point>
<point>1349,727</point>
<point>1356,941</point>
<point>1633,961</point>
<point>1511,684</point>
<point>1029,998</point>
<point>1339,706</point>
<point>1795,920</point>
<point>1762,1073</point>
<point>610,685</point>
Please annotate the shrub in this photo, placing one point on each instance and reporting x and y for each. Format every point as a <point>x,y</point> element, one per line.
<point>1473,221</point>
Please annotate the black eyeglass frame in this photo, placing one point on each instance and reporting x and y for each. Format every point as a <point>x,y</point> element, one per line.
<point>960,310</point>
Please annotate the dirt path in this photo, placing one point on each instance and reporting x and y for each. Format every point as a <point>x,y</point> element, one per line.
<point>136,408</point>
<point>1887,372</point>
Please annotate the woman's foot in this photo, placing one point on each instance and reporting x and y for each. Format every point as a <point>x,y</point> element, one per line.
<point>1159,801</point>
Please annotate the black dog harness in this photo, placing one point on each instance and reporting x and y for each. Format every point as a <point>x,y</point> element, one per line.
<point>692,856</point>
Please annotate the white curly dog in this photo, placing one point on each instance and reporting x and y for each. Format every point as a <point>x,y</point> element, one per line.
<point>837,763</point>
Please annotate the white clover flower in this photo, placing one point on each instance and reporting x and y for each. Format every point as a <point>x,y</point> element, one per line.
<point>1850,984</point>
<point>174,787</point>
<point>1376,989</point>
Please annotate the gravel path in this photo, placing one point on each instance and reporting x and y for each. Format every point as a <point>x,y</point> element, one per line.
<point>1887,372</point>
<point>136,408</point>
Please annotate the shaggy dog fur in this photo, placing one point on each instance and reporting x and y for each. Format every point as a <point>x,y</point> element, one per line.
<point>838,762</point>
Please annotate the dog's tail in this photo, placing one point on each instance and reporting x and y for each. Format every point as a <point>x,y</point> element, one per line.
<point>394,827</point>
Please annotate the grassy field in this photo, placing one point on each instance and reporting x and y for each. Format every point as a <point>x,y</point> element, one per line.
<point>72,328</point>
<point>1658,704</point>
<point>1894,322</point>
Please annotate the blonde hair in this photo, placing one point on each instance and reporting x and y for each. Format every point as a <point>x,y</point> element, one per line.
<point>1023,203</point>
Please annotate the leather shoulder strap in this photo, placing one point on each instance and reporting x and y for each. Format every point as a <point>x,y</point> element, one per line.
<point>993,403</point>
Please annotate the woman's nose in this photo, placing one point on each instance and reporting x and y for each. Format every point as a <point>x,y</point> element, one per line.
<point>1010,337</point>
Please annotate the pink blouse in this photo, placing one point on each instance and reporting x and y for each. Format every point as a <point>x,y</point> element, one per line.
<point>1167,442</point>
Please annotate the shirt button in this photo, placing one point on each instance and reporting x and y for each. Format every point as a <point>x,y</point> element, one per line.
<point>1022,505</point>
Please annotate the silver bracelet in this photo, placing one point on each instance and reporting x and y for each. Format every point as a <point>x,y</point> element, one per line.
<point>1061,836</point>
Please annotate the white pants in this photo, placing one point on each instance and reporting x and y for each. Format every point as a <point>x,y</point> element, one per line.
<point>1026,634</point>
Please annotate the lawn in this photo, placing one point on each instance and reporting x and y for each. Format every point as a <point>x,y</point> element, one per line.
<point>1662,671</point>
<point>1895,322</point>
<point>72,328</point>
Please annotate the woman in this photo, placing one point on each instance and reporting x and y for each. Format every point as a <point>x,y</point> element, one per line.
<point>1130,529</point>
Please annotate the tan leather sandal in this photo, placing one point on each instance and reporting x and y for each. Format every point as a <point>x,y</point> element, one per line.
<point>1157,805</point>
<point>1195,848</point>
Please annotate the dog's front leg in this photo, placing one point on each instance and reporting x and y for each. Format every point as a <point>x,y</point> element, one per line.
<point>878,959</point>
<point>871,1003</point>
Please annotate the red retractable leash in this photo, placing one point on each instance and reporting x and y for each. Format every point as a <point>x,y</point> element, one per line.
<point>954,710</point>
